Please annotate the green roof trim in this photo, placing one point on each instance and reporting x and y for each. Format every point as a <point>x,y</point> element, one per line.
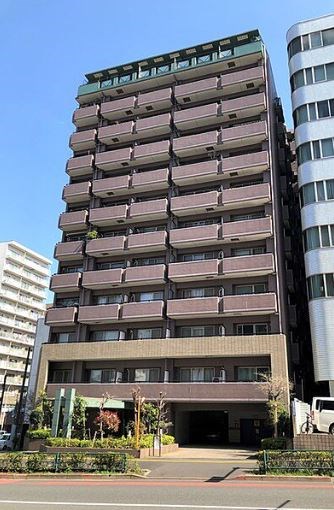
<point>109,404</point>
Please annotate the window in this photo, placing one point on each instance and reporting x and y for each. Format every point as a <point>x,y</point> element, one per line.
<point>196,331</point>
<point>147,374</point>
<point>148,333</point>
<point>61,376</point>
<point>192,257</point>
<point>108,299</point>
<point>244,252</point>
<point>323,109</point>
<point>183,64</point>
<point>106,83</point>
<point>330,189</point>
<point>315,150</point>
<point>316,286</point>
<point>110,265</point>
<point>149,296</point>
<point>149,261</point>
<point>199,293</point>
<point>71,269</point>
<point>311,238</point>
<point>102,375</point>
<point>249,216</point>
<point>163,69</point>
<point>198,223</point>
<point>317,192</point>
<point>252,373</point>
<point>104,336</point>
<point>251,288</point>
<point>66,302</point>
<point>328,37</point>
<point>125,78</point>
<point>197,374</point>
<point>312,75</point>
<point>328,405</point>
<point>144,73</point>
<point>64,338</point>
<point>202,59</point>
<point>252,329</point>
<point>327,147</point>
<point>154,228</point>
<point>315,39</point>
<point>311,41</point>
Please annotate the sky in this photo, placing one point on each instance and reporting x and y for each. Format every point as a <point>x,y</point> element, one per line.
<point>47,47</point>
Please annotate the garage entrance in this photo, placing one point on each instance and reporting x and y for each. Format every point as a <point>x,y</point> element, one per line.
<point>208,427</point>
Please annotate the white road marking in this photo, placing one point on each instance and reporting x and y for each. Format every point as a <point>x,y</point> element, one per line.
<point>144,505</point>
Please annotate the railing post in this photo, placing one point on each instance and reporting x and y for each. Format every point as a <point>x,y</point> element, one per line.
<point>265,459</point>
<point>56,462</point>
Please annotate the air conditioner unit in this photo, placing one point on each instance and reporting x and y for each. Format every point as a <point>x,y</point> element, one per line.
<point>221,330</point>
<point>221,255</point>
<point>221,292</point>
<point>119,377</point>
<point>131,334</point>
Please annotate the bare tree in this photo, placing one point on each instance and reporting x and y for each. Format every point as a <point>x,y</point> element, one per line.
<point>105,397</point>
<point>277,391</point>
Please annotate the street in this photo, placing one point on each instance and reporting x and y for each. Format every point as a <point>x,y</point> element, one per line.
<point>165,495</point>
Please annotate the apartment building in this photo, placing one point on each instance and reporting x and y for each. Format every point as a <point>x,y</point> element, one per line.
<point>172,268</point>
<point>24,278</point>
<point>311,67</point>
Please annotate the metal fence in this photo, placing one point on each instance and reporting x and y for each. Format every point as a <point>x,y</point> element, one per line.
<point>320,462</point>
<point>31,462</point>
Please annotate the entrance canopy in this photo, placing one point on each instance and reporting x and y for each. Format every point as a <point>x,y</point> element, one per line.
<point>109,404</point>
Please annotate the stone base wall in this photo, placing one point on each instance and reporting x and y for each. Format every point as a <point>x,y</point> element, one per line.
<point>313,442</point>
<point>138,454</point>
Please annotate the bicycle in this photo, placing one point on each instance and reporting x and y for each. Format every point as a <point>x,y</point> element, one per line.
<point>307,427</point>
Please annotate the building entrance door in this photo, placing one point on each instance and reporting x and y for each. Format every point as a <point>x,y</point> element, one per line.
<point>208,427</point>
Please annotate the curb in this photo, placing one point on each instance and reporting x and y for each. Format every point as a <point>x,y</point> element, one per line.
<point>284,478</point>
<point>72,476</point>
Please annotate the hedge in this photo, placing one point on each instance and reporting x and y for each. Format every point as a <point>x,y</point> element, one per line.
<point>273,443</point>
<point>23,462</point>
<point>39,433</point>
<point>146,441</point>
<point>295,461</point>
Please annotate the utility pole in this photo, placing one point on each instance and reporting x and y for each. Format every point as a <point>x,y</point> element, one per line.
<point>3,393</point>
<point>18,421</point>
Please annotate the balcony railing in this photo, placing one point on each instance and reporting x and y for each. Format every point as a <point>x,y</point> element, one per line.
<point>195,236</point>
<point>106,246</point>
<point>145,275</point>
<point>154,101</point>
<point>102,279</point>
<point>145,311</point>
<point>72,221</point>
<point>152,152</point>
<point>259,228</point>
<point>111,186</point>
<point>110,160</point>
<point>72,250</point>
<point>105,216</point>
<point>250,304</point>
<point>145,181</point>
<point>196,173</point>
<point>104,314</point>
<point>196,270</point>
<point>152,241</point>
<point>61,316</point>
<point>87,116</point>
<point>118,108</point>
<point>196,204</point>
<point>81,165</point>
<point>246,164</point>
<point>126,184</point>
<point>150,209</point>
<point>65,282</point>
<point>252,265</point>
<point>247,196</point>
<point>83,140</point>
<point>116,133</point>
<point>77,192</point>
<point>193,307</point>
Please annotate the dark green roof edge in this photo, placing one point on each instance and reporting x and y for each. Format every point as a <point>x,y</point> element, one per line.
<point>198,47</point>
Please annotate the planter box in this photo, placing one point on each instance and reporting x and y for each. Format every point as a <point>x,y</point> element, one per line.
<point>33,445</point>
<point>138,454</point>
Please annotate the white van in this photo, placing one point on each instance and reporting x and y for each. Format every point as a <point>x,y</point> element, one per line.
<point>323,414</point>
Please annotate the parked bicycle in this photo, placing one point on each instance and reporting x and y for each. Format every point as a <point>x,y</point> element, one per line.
<point>307,427</point>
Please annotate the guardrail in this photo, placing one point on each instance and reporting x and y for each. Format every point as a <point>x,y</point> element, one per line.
<point>312,461</point>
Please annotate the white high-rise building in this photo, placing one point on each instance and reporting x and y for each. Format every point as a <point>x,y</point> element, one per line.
<point>311,67</point>
<point>24,278</point>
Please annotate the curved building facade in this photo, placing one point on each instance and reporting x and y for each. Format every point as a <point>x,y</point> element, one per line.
<point>311,67</point>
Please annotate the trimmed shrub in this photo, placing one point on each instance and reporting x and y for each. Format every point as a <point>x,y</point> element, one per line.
<point>295,461</point>
<point>39,433</point>
<point>273,443</point>
<point>146,441</point>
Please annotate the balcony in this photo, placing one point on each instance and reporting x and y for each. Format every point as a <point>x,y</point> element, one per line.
<point>149,241</point>
<point>250,304</point>
<point>88,116</point>
<point>197,203</point>
<point>152,152</point>
<point>194,307</point>
<point>145,275</point>
<point>111,186</point>
<point>238,81</point>
<point>196,144</point>
<point>154,101</point>
<point>252,265</point>
<point>147,181</point>
<point>106,246</point>
<point>153,126</point>
<point>145,311</point>
<point>249,230</point>
<point>196,173</point>
<point>83,140</point>
<point>72,250</point>
<point>65,282</point>
<point>78,192</point>
<point>102,279</point>
<point>110,160</point>
<point>82,165</point>
<point>73,221</point>
<point>118,108</point>
<point>61,316</point>
<point>198,90</point>
<point>98,314</point>
<point>116,133</point>
<point>195,236</point>
<point>245,164</point>
<point>244,134</point>
<point>241,107</point>
<point>106,216</point>
<point>229,392</point>
<point>246,196</point>
<point>148,210</point>
<point>191,118</point>
<point>192,271</point>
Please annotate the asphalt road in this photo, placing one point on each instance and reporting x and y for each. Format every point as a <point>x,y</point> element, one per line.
<point>159,495</point>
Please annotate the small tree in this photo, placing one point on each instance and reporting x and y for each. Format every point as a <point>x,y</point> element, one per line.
<point>277,391</point>
<point>41,415</point>
<point>79,416</point>
<point>108,420</point>
<point>149,417</point>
